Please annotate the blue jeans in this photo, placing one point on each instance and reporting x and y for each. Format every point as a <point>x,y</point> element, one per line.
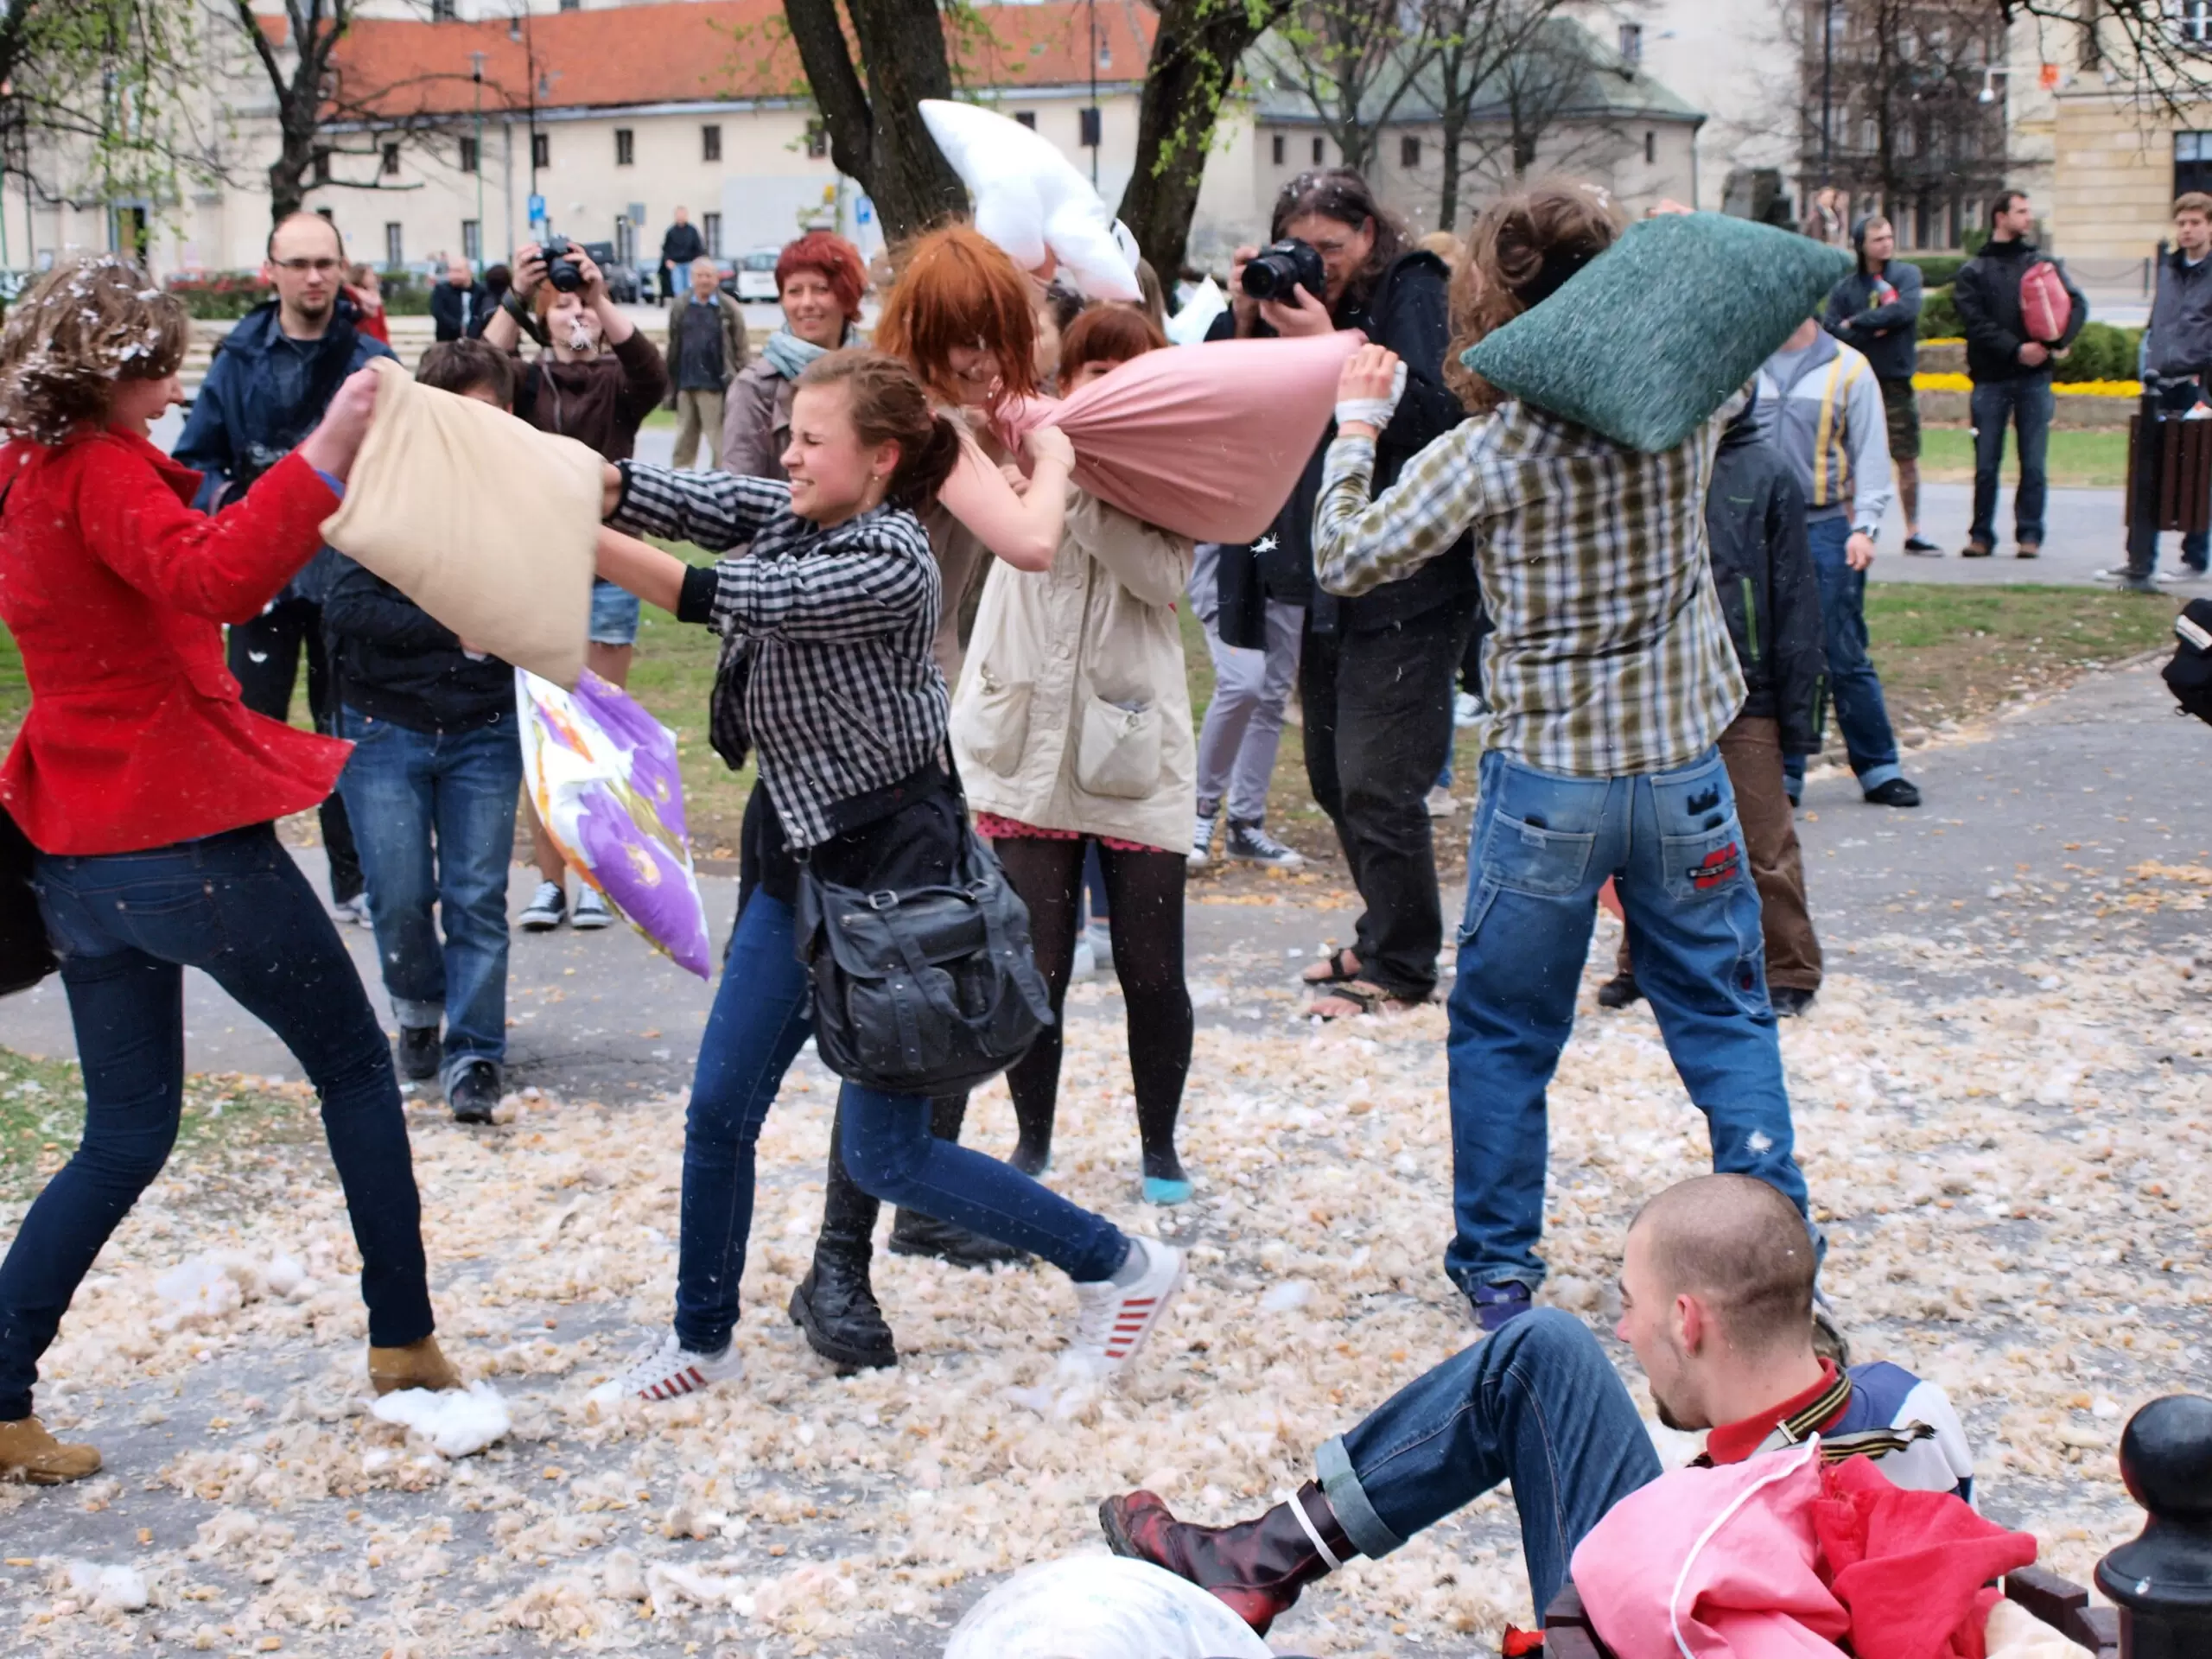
<point>1541,846</point>
<point>436,825</point>
<point>1860,712</point>
<point>614,614</point>
<point>2026,403</point>
<point>126,926</point>
<point>1537,1404</point>
<point>761,1017</point>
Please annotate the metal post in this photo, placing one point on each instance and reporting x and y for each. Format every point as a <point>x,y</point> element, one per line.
<point>476,66</point>
<point>1827,78</point>
<point>2162,1579</point>
<point>1096,114</point>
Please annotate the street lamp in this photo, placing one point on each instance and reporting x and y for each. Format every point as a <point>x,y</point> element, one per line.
<point>476,70</point>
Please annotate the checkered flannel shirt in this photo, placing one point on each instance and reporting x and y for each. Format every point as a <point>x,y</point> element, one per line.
<point>1609,655</point>
<point>845,696</point>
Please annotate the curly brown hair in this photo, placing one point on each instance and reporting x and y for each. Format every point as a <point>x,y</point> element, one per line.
<point>1520,250</point>
<point>86,324</point>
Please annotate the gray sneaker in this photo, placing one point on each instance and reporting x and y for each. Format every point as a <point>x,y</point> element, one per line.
<point>1202,840</point>
<point>591,911</point>
<point>1251,844</point>
<point>547,909</point>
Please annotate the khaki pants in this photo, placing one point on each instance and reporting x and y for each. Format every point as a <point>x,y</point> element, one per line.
<point>1752,750</point>
<point>698,414</point>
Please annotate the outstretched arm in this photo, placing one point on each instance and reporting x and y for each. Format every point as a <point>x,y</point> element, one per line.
<point>1023,530</point>
<point>718,510</point>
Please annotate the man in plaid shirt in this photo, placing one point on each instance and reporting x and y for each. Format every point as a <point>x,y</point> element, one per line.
<point>1609,677</point>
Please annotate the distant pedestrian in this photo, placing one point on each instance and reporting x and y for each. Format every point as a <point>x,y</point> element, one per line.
<point>461,306</point>
<point>1876,310</point>
<point>679,247</point>
<point>706,348</point>
<point>366,291</point>
<point>2011,371</point>
<point>2178,349</point>
<point>1828,420</point>
<point>1243,723</point>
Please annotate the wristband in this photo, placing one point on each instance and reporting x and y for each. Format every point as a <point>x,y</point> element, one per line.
<point>1373,411</point>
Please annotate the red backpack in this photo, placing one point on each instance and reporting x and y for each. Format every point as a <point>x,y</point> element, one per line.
<point>2045,306</point>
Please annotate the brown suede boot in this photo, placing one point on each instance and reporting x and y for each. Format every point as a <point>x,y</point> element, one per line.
<point>28,1452</point>
<point>1256,1567</point>
<point>418,1365</point>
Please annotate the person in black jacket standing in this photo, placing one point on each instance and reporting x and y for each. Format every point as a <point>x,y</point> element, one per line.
<point>2011,372</point>
<point>1375,675</point>
<point>1877,309</point>
<point>460,306</point>
<point>431,786</point>
<point>2177,350</point>
<point>679,245</point>
<point>1762,568</point>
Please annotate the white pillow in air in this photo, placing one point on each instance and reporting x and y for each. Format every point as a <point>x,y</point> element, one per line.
<point>1030,199</point>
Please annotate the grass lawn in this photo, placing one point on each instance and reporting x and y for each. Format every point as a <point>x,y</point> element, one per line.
<point>2078,461</point>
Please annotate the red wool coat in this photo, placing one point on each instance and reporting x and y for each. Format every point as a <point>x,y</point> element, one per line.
<point>114,588</point>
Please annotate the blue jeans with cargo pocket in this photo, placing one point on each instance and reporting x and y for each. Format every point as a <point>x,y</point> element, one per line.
<point>1541,846</point>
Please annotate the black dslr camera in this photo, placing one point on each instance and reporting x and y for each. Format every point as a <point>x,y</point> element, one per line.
<point>561,267</point>
<point>1281,267</point>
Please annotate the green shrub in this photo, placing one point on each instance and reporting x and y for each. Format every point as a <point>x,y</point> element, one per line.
<point>2103,351</point>
<point>226,295</point>
<point>1939,318</point>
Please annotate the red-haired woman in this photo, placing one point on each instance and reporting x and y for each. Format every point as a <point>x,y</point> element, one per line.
<point>819,282</point>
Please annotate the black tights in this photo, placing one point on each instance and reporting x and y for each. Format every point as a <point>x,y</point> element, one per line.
<point>1144,894</point>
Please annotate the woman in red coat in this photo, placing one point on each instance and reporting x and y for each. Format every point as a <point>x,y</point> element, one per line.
<point>148,792</point>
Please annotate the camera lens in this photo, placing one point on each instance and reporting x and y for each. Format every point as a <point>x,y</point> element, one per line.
<point>1270,276</point>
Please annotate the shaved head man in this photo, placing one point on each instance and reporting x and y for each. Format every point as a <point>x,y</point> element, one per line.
<point>306,264</point>
<point>1717,1306</point>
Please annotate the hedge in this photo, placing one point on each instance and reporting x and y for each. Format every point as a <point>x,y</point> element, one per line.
<point>228,295</point>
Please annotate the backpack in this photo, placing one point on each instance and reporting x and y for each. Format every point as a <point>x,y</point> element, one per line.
<point>2045,306</point>
<point>2188,676</point>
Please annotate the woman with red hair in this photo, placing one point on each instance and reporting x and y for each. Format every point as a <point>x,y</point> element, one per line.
<point>819,282</point>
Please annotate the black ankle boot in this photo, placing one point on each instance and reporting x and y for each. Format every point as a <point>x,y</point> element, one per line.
<point>915,1233</point>
<point>835,1305</point>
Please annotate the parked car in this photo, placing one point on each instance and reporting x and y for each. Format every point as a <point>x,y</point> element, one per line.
<point>625,285</point>
<point>756,274</point>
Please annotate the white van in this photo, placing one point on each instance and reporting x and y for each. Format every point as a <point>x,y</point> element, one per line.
<point>756,274</point>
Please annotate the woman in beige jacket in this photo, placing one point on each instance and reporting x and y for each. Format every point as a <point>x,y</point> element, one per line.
<point>1072,725</point>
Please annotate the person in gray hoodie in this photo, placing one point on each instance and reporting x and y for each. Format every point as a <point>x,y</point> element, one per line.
<point>1827,419</point>
<point>2178,349</point>
<point>1876,310</point>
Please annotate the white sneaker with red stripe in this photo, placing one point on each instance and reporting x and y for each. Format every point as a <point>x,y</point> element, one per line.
<point>1114,1320</point>
<point>667,1370</point>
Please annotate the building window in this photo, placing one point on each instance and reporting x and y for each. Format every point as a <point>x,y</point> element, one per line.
<point>471,158</point>
<point>1321,152</point>
<point>472,240</point>
<point>625,146</point>
<point>1029,118</point>
<point>1409,152</point>
<point>444,11</point>
<point>2192,162</point>
<point>711,144</point>
<point>572,5</point>
<point>625,240</point>
<point>540,149</point>
<point>818,141</point>
<point>391,164</point>
<point>711,232</point>
<point>394,253</point>
<point>1632,43</point>
<point>1650,149</point>
<point>2193,21</point>
<point>1090,131</point>
<point>1277,145</point>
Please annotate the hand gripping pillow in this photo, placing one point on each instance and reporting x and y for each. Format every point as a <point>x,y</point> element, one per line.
<point>1030,199</point>
<point>1653,335</point>
<point>486,523</point>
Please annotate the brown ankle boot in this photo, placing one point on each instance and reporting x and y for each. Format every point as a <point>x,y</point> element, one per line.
<point>28,1452</point>
<point>1256,1567</point>
<point>418,1365</point>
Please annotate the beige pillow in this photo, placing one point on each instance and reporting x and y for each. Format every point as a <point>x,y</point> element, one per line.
<point>481,519</point>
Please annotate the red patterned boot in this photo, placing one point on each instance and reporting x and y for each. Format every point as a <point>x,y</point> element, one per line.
<point>1256,1567</point>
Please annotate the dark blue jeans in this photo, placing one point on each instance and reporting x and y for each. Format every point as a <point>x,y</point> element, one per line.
<point>126,926</point>
<point>761,1017</point>
<point>434,816</point>
<point>1541,846</point>
<point>2025,403</point>
<point>1860,712</point>
<point>1537,1404</point>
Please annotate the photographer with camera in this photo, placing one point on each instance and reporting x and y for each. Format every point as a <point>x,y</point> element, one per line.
<point>1374,672</point>
<point>270,381</point>
<point>596,381</point>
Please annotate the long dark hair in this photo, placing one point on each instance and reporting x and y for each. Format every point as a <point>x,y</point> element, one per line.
<point>1340,193</point>
<point>889,404</point>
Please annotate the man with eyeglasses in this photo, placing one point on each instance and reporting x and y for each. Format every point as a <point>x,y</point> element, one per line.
<point>269,382</point>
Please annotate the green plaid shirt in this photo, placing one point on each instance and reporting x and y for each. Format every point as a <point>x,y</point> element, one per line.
<point>1609,655</point>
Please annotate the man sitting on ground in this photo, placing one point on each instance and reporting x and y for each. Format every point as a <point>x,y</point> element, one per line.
<point>1717,1305</point>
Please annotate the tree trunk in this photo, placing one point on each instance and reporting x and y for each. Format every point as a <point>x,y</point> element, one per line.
<point>1447,200</point>
<point>876,132</point>
<point>1195,55</point>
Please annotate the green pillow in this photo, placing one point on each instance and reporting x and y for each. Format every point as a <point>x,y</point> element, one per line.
<point>1661,329</point>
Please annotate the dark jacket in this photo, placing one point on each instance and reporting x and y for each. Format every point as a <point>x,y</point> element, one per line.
<point>2179,339</point>
<point>733,337</point>
<point>1762,568</point>
<point>240,426</point>
<point>681,246</point>
<point>396,663</point>
<point>460,312</point>
<point>1886,335</point>
<point>1406,312</point>
<point>600,402</point>
<point>1986,291</point>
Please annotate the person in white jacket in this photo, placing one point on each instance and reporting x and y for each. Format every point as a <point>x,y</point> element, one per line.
<point>1071,726</point>
<point>1829,423</point>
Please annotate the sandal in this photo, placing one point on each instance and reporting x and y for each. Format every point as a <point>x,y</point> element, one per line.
<point>1364,999</point>
<point>1341,966</point>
